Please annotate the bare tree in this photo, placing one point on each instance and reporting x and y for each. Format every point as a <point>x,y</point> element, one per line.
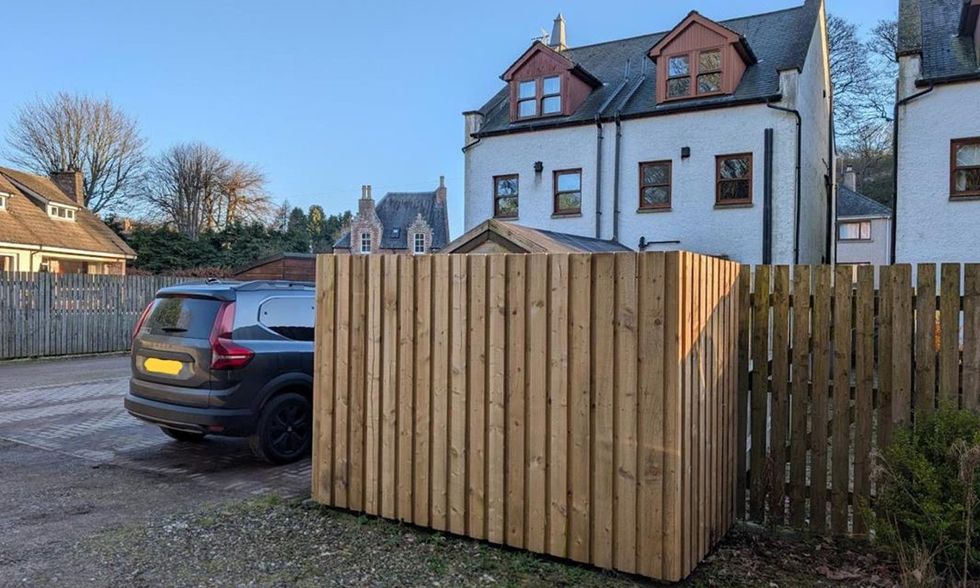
<point>196,187</point>
<point>68,132</point>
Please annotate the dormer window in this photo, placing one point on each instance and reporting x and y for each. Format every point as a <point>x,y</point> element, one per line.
<point>700,58</point>
<point>539,97</point>
<point>365,242</point>
<point>61,212</point>
<point>545,82</point>
<point>419,243</point>
<point>3,201</point>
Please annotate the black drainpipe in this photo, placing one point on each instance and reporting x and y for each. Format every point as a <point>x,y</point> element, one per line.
<point>902,102</point>
<point>767,202</point>
<point>598,177</point>
<point>619,138</point>
<point>799,161</point>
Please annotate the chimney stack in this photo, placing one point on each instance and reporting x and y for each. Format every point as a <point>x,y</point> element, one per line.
<point>365,206</point>
<point>558,34</point>
<point>72,183</point>
<point>850,179</point>
<point>441,191</point>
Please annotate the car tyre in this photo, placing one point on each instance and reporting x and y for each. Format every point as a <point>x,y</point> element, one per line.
<point>284,433</point>
<point>183,436</point>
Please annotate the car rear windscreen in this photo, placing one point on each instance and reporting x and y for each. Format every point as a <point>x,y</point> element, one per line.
<point>190,318</point>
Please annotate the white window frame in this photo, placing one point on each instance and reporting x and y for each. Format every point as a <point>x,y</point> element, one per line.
<point>861,226</point>
<point>366,242</point>
<point>61,213</point>
<point>3,200</point>
<point>13,262</point>
<point>416,242</point>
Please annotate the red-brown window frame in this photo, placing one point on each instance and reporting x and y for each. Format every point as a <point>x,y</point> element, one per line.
<point>539,96</point>
<point>555,192</point>
<point>496,197</point>
<point>670,185</point>
<point>954,194</point>
<point>719,180</point>
<point>693,72</point>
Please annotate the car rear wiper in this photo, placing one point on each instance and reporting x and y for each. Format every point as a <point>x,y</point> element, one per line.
<point>173,330</point>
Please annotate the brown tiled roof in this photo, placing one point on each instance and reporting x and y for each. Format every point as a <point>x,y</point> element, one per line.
<point>26,220</point>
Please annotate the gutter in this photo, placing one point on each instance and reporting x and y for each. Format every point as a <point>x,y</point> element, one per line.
<point>611,118</point>
<point>895,129</point>
<point>65,251</point>
<point>799,163</point>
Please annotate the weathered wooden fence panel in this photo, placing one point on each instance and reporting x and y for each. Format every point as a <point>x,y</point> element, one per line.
<point>855,363</point>
<point>44,315</point>
<point>582,406</point>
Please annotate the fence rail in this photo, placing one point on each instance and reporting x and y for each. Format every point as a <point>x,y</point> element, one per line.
<point>577,405</point>
<point>830,366</point>
<point>68,314</point>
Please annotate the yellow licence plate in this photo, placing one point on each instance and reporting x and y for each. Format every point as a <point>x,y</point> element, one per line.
<point>163,366</point>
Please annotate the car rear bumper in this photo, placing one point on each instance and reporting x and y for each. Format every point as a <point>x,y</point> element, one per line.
<point>219,421</point>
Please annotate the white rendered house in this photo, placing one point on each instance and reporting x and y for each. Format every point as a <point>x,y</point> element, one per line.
<point>937,202</point>
<point>864,226</point>
<point>713,137</point>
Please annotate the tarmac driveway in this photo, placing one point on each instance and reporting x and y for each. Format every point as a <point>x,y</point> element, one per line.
<point>73,462</point>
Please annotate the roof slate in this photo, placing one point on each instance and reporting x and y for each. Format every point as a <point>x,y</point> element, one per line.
<point>931,27</point>
<point>26,222</point>
<point>780,40</point>
<point>854,204</point>
<point>398,210</point>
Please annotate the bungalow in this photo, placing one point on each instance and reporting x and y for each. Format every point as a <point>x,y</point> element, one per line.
<point>45,227</point>
<point>714,137</point>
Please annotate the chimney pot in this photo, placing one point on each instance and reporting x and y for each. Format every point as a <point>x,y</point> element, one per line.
<point>557,40</point>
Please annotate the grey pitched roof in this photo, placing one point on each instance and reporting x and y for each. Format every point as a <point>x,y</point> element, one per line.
<point>585,244</point>
<point>931,27</point>
<point>398,210</point>
<point>780,40</point>
<point>854,204</point>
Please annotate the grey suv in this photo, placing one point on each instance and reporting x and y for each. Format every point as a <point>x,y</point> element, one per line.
<point>228,358</point>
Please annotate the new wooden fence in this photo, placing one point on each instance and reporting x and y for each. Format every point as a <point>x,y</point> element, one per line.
<point>829,366</point>
<point>49,314</point>
<point>577,405</point>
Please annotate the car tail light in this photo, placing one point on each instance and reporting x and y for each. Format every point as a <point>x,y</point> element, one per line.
<point>142,319</point>
<point>225,353</point>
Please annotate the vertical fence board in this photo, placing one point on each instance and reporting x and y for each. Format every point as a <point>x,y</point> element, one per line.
<point>760,391</point>
<point>516,399</point>
<point>949,351</point>
<point>800,395</point>
<point>477,414</point>
<point>925,340</point>
<point>580,407</point>
<point>841,442</point>
<point>901,350</point>
<point>885,302</point>
<point>358,383</point>
<point>537,403</point>
<point>439,480</point>
<point>627,408</point>
<point>603,377</point>
<point>822,294</point>
<point>458,409</point>
<point>559,291</point>
<point>780,392</point>
<point>423,391</point>
<point>497,420</point>
<point>744,379</point>
<point>971,337</point>
<point>864,324</point>
<point>406,387</point>
<point>389,389</point>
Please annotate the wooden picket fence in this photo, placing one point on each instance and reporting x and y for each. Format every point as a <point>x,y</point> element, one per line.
<point>829,366</point>
<point>577,405</point>
<point>45,314</point>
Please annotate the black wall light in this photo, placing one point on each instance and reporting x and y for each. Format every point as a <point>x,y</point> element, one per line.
<point>538,167</point>
<point>685,152</point>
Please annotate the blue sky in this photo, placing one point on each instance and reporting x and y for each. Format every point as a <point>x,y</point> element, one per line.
<point>323,95</point>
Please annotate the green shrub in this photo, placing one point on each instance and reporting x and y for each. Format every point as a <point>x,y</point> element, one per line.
<point>925,500</point>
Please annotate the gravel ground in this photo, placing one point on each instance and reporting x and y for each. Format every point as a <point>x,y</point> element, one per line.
<point>273,542</point>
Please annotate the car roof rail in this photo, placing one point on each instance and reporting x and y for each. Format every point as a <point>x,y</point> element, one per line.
<point>263,284</point>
